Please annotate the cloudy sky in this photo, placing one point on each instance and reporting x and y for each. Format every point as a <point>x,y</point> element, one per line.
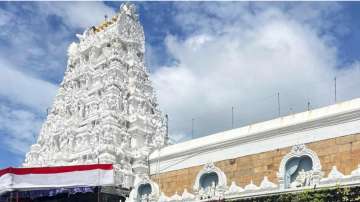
<point>204,59</point>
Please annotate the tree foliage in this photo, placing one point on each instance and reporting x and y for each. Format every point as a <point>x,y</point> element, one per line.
<point>337,194</point>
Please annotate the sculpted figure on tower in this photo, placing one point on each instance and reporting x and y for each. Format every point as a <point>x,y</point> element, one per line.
<point>105,110</point>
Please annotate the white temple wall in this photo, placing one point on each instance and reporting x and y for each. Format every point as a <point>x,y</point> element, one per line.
<point>330,122</point>
<point>250,160</point>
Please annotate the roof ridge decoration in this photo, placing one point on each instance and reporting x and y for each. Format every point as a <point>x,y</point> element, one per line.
<point>334,176</point>
<point>234,189</point>
<point>186,196</point>
<point>267,184</point>
<point>356,172</point>
<point>251,187</point>
<point>163,198</point>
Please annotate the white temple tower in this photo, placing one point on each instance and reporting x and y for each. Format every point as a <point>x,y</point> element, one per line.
<point>105,110</point>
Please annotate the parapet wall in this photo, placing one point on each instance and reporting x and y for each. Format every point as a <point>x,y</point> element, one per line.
<point>342,152</point>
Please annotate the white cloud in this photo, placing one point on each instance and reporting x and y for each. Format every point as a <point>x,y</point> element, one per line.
<point>79,14</point>
<point>25,93</point>
<point>25,90</point>
<point>24,96</point>
<point>5,17</point>
<point>24,100</point>
<point>242,58</point>
<point>20,127</point>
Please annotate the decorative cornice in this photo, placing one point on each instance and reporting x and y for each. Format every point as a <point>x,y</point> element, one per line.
<point>238,136</point>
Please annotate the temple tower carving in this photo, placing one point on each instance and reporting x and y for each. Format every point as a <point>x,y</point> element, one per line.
<point>105,110</point>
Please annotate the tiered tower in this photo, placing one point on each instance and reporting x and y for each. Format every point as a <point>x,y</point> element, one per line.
<point>105,110</point>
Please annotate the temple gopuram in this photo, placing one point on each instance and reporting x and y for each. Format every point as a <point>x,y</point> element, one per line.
<point>105,139</point>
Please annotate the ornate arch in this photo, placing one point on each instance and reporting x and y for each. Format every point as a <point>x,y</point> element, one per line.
<point>222,181</point>
<point>144,181</point>
<point>300,150</point>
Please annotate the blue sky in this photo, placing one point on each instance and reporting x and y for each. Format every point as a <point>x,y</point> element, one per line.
<point>204,58</point>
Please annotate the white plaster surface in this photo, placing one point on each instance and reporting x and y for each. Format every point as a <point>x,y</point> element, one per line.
<point>105,110</point>
<point>324,123</point>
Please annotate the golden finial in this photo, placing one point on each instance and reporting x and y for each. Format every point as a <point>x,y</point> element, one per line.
<point>105,23</point>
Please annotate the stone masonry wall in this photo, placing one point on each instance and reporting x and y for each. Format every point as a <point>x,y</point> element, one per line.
<point>344,152</point>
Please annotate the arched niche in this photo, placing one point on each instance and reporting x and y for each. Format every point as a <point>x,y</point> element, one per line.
<point>210,182</point>
<point>144,190</point>
<point>301,167</point>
